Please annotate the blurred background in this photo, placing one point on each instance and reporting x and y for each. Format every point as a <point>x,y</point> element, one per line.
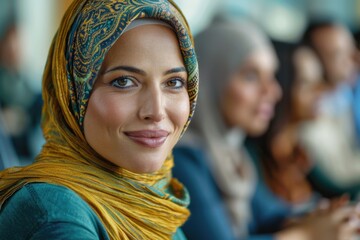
<point>283,20</point>
<point>29,26</point>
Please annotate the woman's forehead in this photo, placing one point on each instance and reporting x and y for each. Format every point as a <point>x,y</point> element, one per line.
<point>146,45</point>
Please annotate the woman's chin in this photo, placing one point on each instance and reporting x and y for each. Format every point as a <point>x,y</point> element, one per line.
<point>146,166</point>
<point>258,130</point>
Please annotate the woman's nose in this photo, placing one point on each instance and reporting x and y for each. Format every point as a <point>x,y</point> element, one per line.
<point>272,89</point>
<point>152,105</point>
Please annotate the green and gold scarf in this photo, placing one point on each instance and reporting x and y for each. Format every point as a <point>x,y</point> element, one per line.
<point>130,205</point>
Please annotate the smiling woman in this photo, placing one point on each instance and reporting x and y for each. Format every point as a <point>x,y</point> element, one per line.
<point>119,89</point>
<point>151,125</point>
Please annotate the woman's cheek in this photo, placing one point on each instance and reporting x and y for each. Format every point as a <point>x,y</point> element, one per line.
<point>179,111</point>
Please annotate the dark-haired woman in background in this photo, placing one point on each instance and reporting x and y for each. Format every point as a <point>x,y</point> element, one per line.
<point>282,163</point>
<point>285,161</point>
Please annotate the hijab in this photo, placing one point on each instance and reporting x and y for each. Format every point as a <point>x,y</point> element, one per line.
<point>221,49</point>
<point>130,205</point>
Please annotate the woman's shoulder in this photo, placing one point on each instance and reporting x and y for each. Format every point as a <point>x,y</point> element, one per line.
<point>192,168</point>
<point>190,150</point>
<point>195,156</point>
<point>45,210</point>
<point>47,198</point>
<point>191,147</point>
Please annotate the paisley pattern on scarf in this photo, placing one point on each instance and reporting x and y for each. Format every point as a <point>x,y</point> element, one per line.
<point>130,205</point>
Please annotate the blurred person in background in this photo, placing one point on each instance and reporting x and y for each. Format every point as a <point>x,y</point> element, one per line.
<point>332,140</point>
<point>8,79</point>
<point>17,99</point>
<point>237,98</point>
<point>284,165</point>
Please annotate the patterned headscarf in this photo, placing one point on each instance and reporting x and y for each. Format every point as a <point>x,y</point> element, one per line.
<point>131,205</point>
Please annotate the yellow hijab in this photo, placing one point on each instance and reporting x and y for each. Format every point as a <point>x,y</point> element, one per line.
<point>130,205</point>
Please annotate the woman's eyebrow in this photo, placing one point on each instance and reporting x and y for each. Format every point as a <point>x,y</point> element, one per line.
<point>126,68</point>
<point>142,72</point>
<point>175,70</point>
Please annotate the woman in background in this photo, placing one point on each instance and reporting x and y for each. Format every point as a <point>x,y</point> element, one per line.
<point>119,89</point>
<point>285,162</point>
<point>237,98</point>
<point>283,165</point>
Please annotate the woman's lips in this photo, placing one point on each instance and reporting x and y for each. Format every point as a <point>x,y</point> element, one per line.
<point>148,138</point>
<point>266,111</point>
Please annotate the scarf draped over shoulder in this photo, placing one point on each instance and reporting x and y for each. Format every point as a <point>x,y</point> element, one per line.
<point>130,205</point>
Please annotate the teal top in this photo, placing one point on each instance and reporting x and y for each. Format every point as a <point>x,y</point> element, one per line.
<point>46,211</point>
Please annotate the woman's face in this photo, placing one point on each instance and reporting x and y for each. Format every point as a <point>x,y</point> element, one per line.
<point>139,103</point>
<point>251,94</point>
<point>308,85</point>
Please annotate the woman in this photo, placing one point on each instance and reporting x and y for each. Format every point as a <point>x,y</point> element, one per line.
<point>284,165</point>
<point>285,162</point>
<point>119,89</point>
<point>331,140</point>
<point>237,65</point>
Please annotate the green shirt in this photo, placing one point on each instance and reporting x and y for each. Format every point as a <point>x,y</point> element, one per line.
<point>47,211</point>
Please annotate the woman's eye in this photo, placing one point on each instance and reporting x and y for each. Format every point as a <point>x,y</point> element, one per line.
<point>175,83</point>
<point>123,82</point>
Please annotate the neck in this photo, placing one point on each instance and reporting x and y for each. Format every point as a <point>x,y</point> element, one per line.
<point>235,137</point>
